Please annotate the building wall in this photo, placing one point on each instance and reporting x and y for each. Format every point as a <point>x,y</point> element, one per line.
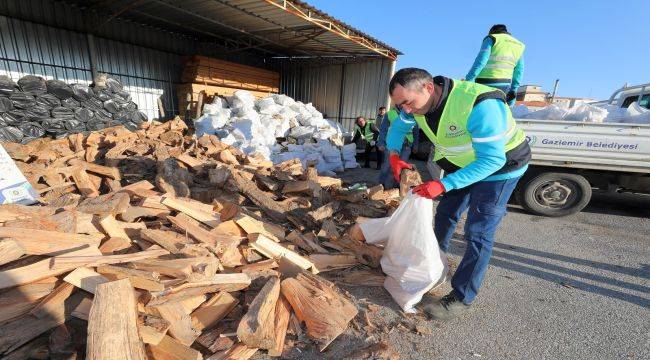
<point>340,91</point>
<point>56,46</point>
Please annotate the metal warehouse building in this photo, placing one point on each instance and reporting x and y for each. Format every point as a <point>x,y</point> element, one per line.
<point>341,70</point>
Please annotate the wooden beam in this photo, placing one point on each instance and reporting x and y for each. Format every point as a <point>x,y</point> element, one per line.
<point>112,323</point>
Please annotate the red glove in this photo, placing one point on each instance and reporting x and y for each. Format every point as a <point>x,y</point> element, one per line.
<point>397,165</point>
<point>430,189</point>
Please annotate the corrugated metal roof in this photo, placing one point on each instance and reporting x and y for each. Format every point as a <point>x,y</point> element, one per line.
<point>282,28</point>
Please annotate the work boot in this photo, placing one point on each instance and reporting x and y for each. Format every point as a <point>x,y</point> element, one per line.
<point>447,308</point>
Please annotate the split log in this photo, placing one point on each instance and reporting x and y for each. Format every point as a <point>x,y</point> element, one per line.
<point>28,327</point>
<point>112,323</point>
<point>366,253</point>
<point>273,250</point>
<point>42,242</point>
<point>135,212</point>
<point>39,270</point>
<point>52,301</point>
<point>254,226</point>
<point>83,182</point>
<point>69,261</point>
<point>282,316</point>
<point>192,228</point>
<point>140,279</point>
<point>408,179</point>
<point>85,279</point>
<point>20,300</point>
<point>10,250</point>
<point>325,212</point>
<point>152,329</point>
<point>109,204</point>
<point>172,178</point>
<point>327,262</point>
<point>171,349</point>
<point>213,310</point>
<point>219,282</point>
<point>192,209</point>
<point>181,324</point>
<point>169,240</point>
<point>269,206</point>
<point>257,328</point>
<point>237,352</point>
<point>316,302</point>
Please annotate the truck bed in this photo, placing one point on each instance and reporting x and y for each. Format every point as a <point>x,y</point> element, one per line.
<point>611,146</point>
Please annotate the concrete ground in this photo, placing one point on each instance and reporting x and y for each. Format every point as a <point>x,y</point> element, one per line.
<point>576,287</point>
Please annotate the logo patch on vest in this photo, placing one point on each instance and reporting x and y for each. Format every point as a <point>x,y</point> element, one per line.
<point>453,131</point>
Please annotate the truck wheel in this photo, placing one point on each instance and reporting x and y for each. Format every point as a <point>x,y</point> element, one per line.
<point>555,194</point>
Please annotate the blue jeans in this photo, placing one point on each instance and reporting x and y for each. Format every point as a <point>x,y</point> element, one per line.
<point>386,174</point>
<point>486,201</point>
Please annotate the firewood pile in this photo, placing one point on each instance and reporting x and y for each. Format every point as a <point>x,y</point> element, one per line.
<point>155,244</point>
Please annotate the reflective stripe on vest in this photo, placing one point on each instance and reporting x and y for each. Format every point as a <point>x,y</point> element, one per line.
<point>452,140</point>
<point>505,53</point>
<point>367,135</point>
<point>392,115</point>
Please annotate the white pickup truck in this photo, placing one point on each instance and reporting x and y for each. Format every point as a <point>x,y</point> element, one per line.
<point>570,158</point>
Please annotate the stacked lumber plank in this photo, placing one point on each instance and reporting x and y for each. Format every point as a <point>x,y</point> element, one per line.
<point>210,71</point>
<point>155,244</point>
<point>204,78</point>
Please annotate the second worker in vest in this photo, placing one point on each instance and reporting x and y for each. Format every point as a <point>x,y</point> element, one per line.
<point>499,63</point>
<point>365,134</point>
<point>483,153</point>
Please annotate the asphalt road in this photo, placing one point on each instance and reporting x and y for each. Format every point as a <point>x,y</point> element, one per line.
<point>576,287</point>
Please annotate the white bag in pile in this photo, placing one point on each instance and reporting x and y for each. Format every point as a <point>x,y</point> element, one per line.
<point>411,259</point>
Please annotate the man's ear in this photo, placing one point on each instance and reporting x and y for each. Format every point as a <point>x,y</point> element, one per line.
<point>429,88</point>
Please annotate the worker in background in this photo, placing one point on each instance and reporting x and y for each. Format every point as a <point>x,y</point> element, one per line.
<point>366,133</point>
<point>499,63</point>
<point>483,153</point>
<point>410,145</point>
<point>380,116</point>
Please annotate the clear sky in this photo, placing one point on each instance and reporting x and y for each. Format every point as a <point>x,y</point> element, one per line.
<point>593,47</point>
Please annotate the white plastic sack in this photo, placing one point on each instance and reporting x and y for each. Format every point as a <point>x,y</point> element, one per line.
<point>411,259</point>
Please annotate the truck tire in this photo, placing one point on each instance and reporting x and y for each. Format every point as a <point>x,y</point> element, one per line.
<point>555,194</point>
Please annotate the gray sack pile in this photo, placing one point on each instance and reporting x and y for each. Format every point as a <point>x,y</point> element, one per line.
<point>35,108</point>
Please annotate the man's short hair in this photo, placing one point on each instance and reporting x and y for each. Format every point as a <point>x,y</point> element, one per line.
<point>359,118</point>
<point>409,78</point>
<point>498,29</point>
<point>382,108</point>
